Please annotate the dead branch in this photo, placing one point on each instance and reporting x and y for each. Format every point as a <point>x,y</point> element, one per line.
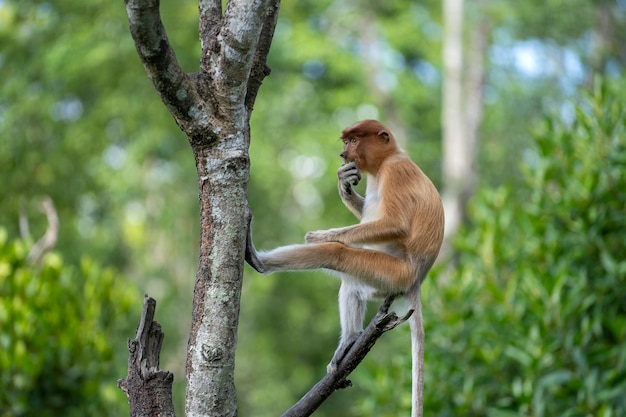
<point>149,390</point>
<point>382,322</point>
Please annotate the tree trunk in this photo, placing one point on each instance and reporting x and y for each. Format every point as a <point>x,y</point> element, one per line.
<point>223,178</point>
<point>455,153</point>
<point>462,107</point>
<point>213,108</point>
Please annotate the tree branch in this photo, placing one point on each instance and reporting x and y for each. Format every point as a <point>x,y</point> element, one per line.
<point>260,69</point>
<point>49,239</point>
<point>238,38</point>
<point>149,390</point>
<point>175,88</point>
<point>382,322</point>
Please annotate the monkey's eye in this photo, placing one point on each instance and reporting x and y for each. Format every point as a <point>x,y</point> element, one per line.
<point>353,140</point>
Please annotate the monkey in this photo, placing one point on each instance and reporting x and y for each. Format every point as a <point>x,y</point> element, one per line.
<point>390,250</point>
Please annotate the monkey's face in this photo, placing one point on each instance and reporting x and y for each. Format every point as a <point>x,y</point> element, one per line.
<point>356,150</point>
<point>366,152</point>
<point>351,151</point>
<point>367,143</point>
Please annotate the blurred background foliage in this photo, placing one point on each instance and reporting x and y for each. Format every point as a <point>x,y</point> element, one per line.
<point>56,355</point>
<point>525,315</point>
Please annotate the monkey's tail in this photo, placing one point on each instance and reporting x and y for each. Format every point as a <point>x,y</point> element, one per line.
<point>417,351</point>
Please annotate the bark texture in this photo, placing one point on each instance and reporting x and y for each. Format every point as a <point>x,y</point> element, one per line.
<point>213,108</point>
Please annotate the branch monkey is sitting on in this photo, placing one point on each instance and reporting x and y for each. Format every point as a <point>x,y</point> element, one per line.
<point>389,252</point>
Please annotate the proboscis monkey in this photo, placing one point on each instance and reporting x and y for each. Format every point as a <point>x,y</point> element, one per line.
<point>389,252</point>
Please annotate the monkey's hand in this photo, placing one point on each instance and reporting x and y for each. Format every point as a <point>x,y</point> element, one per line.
<point>320,236</point>
<point>348,175</point>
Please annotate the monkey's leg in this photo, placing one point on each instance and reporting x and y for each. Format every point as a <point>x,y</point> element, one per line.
<point>379,270</point>
<point>352,304</point>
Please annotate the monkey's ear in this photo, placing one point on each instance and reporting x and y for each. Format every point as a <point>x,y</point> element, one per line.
<point>384,134</point>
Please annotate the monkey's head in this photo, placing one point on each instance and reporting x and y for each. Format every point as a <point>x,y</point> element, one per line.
<point>367,143</point>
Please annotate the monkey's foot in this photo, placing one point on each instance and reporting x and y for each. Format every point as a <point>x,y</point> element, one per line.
<point>341,352</point>
<point>251,254</point>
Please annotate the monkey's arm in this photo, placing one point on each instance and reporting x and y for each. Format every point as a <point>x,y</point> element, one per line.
<point>349,175</point>
<point>377,231</point>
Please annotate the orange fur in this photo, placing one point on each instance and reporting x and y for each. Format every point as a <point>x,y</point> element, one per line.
<point>405,214</point>
<point>392,248</point>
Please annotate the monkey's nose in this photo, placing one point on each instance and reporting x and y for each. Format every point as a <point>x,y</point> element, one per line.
<point>343,155</point>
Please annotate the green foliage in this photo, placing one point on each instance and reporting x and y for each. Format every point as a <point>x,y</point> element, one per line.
<point>533,319</point>
<point>69,130</point>
<point>62,334</point>
<point>80,122</point>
